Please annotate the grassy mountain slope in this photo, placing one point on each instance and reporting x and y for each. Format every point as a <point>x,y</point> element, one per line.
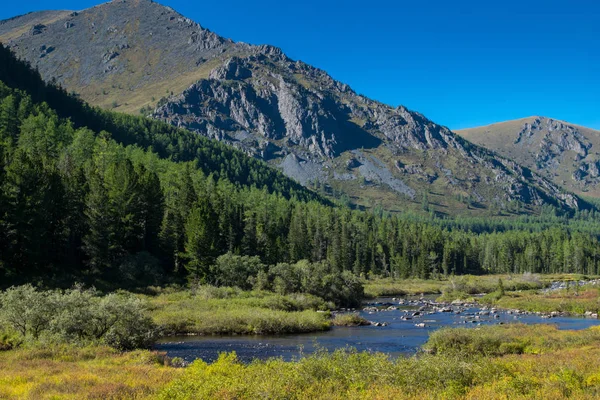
<point>565,153</point>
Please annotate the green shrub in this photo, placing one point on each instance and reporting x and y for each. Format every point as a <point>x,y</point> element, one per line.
<point>77,315</point>
<point>27,310</point>
<point>130,326</point>
<point>9,340</point>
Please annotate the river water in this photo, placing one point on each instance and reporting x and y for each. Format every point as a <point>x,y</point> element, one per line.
<point>399,337</point>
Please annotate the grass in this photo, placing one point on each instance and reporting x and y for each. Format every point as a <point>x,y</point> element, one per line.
<point>68,372</point>
<point>509,339</point>
<point>384,287</point>
<point>570,302</point>
<point>222,311</point>
<point>461,286</point>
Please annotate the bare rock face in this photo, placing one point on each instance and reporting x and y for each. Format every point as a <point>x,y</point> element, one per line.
<point>309,115</point>
<point>554,138</point>
<point>284,111</point>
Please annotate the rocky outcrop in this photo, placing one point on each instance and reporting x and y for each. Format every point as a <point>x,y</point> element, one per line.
<point>563,153</point>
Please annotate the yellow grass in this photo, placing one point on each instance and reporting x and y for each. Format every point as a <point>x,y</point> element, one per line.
<point>82,373</point>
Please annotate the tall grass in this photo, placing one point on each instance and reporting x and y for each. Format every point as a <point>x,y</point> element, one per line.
<point>383,287</point>
<point>570,302</point>
<point>208,310</point>
<point>509,339</point>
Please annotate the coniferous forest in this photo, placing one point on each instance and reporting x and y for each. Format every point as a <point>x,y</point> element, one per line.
<point>116,200</point>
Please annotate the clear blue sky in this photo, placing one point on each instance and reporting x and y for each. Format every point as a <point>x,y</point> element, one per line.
<point>461,63</point>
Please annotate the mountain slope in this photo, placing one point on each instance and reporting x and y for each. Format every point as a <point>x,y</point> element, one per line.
<point>565,153</point>
<point>317,130</point>
<point>209,156</point>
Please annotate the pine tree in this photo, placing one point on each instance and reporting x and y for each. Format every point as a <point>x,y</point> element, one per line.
<point>96,242</point>
<point>201,234</point>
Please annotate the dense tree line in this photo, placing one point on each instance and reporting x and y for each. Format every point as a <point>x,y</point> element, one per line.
<point>78,205</point>
<point>84,204</point>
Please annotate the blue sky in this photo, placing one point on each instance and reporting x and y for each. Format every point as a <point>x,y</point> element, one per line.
<point>461,63</point>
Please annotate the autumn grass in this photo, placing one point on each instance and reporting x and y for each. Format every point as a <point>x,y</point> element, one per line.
<point>69,372</point>
<point>222,311</point>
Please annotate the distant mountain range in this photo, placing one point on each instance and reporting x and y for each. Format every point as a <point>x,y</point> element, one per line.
<point>138,56</point>
<point>565,153</point>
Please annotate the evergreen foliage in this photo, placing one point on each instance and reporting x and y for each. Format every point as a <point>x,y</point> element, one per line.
<point>121,201</point>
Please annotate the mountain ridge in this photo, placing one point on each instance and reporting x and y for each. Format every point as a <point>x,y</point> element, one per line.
<point>563,152</point>
<point>295,116</point>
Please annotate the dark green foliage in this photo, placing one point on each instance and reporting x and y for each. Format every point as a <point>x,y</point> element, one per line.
<point>232,270</point>
<point>320,279</point>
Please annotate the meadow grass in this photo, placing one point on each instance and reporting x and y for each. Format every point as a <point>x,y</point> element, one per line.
<point>220,311</point>
<point>384,287</point>
<point>570,302</point>
<point>94,372</point>
<point>464,284</point>
<point>349,319</point>
<point>509,339</point>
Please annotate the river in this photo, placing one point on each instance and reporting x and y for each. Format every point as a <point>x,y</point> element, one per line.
<point>403,334</point>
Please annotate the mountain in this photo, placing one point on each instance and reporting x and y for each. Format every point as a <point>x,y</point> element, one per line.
<point>564,153</point>
<point>138,56</point>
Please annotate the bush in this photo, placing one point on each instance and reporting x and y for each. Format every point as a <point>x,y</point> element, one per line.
<point>9,340</point>
<point>344,289</point>
<point>130,327</point>
<point>27,310</point>
<point>77,315</point>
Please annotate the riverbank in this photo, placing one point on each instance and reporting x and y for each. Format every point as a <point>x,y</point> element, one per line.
<point>208,310</point>
<point>585,301</point>
<point>563,294</point>
<point>546,363</point>
<point>491,362</point>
